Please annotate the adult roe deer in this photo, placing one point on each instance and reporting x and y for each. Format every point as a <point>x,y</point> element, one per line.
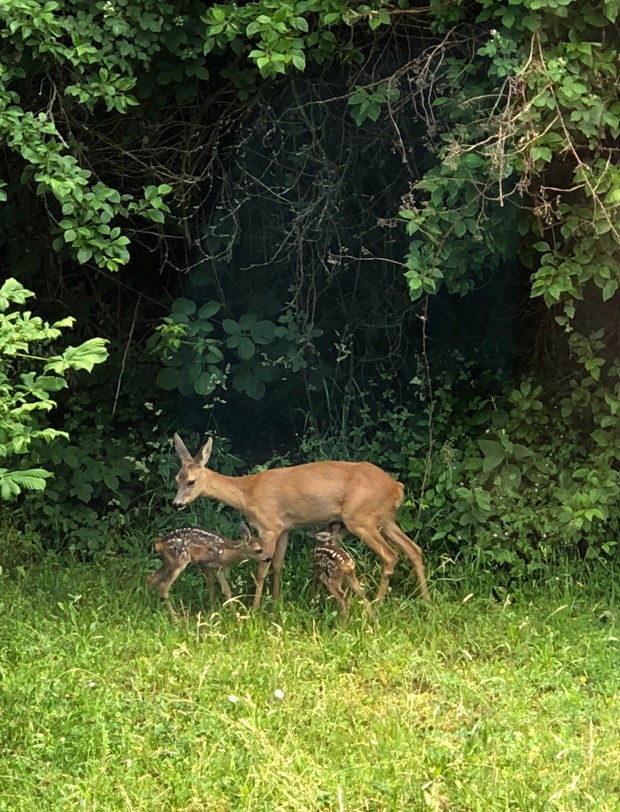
<point>359,494</point>
<point>213,554</point>
<point>332,565</point>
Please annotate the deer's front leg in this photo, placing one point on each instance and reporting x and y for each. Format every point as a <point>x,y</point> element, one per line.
<point>269,539</point>
<point>278,563</point>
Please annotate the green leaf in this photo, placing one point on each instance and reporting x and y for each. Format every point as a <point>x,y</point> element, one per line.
<point>13,482</point>
<point>205,384</point>
<point>299,60</point>
<point>263,332</point>
<point>247,320</point>
<point>85,356</point>
<point>168,378</point>
<point>511,476</point>
<point>13,292</point>
<point>208,310</point>
<point>155,215</point>
<point>494,454</point>
<point>609,289</point>
<point>601,437</point>
<point>244,381</point>
<point>231,327</point>
<point>83,490</point>
<point>246,348</point>
<point>111,481</point>
<point>185,307</point>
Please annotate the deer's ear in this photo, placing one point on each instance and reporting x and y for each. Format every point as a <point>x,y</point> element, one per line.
<point>324,535</point>
<point>181,449</point>
<point>202,457</point>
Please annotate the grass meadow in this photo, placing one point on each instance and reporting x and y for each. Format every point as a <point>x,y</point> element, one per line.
<point>472,703</point>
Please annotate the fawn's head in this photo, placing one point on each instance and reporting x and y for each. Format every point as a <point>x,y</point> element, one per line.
<point>191,477</point>
<point>334,534</point>
<point>249,547</point>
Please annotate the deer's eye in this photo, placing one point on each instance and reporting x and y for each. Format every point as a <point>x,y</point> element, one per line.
<point>190,483</point>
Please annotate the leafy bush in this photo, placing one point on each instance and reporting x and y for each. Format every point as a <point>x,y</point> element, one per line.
<point>511,483</point>
<point>114,478</point>
<point>25,395</point>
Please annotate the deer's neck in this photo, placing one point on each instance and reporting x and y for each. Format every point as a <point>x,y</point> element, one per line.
<point>232,490</point>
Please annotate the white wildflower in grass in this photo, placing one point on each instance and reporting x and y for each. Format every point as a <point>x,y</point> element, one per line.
<point>278,694</point>
<point>234,699</point>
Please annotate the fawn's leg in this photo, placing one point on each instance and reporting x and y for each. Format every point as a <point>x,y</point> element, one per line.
<point>359,591</point>
<point>221,577</point>
<point>209,574</point>
<point>335,589</point>
<point>166,583</point>
<point>155,577</point>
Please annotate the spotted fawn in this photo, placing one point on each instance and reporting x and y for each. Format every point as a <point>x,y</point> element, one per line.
<point>213,554</point>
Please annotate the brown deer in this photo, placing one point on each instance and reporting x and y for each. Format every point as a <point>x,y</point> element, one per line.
<point>359,494</point>
<point>332,564</point>
<point>213,554</point>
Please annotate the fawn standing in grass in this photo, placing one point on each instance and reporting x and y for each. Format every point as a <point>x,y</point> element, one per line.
<point>332,565</point>
<point>213,554</point>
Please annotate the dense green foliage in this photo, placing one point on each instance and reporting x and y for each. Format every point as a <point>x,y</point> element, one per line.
<point>315,219</point>
<point>470,705</point>
<point>26,394</point>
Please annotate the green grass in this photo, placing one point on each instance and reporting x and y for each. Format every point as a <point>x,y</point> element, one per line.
<point>467,704</point>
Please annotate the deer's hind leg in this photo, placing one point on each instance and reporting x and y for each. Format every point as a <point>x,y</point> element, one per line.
<point>413,552</point>
<point>368,532</point>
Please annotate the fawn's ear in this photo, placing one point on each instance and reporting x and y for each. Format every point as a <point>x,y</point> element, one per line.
<point>247,534</point>
<point>202,457</point>
<point>324,535</point>
<point>181,449</point>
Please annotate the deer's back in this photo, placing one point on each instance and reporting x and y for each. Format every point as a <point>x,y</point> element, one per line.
<point>321,491</point>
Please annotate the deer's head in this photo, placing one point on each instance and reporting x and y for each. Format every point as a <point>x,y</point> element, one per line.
<point>191,478</point>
